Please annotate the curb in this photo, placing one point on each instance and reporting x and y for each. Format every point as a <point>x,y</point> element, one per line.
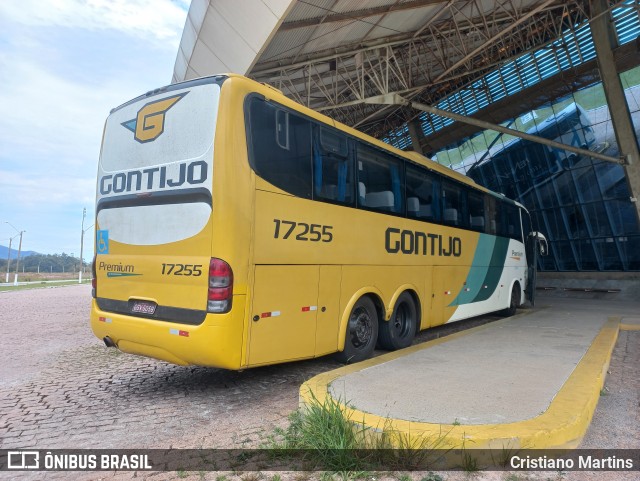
<point>562,425</point>
<point>629,327</point>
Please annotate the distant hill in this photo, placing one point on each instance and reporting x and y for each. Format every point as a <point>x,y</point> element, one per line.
<point>14,253</point>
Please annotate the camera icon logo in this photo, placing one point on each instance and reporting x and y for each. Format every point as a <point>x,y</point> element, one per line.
<point>23,460</point>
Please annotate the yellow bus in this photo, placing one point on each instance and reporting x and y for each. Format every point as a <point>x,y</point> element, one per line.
<point>236,228</point>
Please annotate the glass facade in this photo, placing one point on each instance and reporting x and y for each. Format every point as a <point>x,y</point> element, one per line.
<point>581,204</point>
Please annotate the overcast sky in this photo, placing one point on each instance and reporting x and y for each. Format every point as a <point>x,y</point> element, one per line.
<point>63,65</point>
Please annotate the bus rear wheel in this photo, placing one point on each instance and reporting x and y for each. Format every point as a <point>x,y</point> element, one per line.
<point>400,330</point>
<point>514,301</point>
<point>362,332</point>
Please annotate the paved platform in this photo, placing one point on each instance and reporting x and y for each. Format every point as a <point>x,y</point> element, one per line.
<point>532,380</point>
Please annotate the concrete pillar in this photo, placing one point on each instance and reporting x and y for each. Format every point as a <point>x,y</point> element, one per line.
<point>605,41</point>
<point>415,131</point>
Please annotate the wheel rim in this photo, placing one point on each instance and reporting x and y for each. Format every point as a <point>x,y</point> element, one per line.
<point>360,328</point>
<point>402,320</point>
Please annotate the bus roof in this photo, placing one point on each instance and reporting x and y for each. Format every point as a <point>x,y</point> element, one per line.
<point>274,94</point>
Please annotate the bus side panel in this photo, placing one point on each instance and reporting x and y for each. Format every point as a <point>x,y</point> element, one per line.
<point>283,326</point>
<point>508,265</point>
<point>448,281</point>
<point>384,280</point>
<point>426,299</point>
<point>328,310</point>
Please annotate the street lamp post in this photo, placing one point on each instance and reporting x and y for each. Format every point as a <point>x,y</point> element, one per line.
<point>9,260</point>
<point>15,278</point>
<point>84,214</point>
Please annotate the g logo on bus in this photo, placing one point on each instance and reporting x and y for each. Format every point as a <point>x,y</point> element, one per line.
<point>149,123</point>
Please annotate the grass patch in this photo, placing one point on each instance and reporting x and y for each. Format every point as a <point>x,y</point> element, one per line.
<point>42,285</point>
<point>469,462</point>
<point>324,436</point>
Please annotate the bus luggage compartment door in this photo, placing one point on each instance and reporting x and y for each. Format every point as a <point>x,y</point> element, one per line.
<point>448,282</point>
<point>283,315</point>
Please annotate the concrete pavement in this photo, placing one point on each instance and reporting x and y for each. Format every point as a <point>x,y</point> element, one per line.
<point>532,380</point>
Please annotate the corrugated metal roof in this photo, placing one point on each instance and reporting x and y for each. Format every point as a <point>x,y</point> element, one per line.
<point>336,33</point>
<point>286,44</point>
<point>453,62</point>
<point>303,11</point>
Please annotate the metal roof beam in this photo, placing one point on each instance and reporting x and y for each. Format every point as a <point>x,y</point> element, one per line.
<point>406,68</point>
<point>448,27</point>
<point>395,99</point>
<point>356,14</point>
<point>495,37</point>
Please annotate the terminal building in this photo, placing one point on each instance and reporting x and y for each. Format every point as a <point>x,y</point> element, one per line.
<point>567,72</point>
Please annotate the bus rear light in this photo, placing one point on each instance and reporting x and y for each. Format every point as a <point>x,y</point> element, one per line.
<point>220,292</point>
<point>220,274</point>
<point>94,278</point>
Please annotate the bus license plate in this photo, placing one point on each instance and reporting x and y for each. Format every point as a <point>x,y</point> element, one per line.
<point>143,307</point>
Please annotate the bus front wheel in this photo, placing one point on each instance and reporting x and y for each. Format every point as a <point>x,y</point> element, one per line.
<point>400,330</point>
<point>362,332</point>
<point>514,301</point>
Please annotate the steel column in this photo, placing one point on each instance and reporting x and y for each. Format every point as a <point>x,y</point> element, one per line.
<point>604,41</point>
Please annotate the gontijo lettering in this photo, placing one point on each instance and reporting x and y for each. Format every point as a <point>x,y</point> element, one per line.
<point>421,243</point>
<point>155,178</point>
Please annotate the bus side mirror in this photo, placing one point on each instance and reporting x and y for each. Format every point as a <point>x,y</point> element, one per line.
<point>541,242</point>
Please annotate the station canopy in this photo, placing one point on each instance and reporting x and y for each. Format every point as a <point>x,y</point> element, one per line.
<point>331,55</point>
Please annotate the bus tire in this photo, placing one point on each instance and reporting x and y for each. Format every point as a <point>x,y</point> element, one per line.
<point>399,331</point>
<point>362,332</point>
<point>514,301</point>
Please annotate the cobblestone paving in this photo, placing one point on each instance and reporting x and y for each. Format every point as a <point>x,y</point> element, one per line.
<point>90,396</point>
<point>61,388</point>
<point>616,422</point>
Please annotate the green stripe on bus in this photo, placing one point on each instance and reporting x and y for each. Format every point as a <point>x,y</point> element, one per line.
<point>478,270</point>
<point>496,266</point>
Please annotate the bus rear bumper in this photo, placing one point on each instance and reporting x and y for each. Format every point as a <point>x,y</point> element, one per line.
<point>217,342</point>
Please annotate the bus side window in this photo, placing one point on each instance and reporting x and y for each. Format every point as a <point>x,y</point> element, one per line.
<point>332,166</point>
<point>454,205</point>
<point>420,193</point>
<point>280,147</point>
<point>509,221</point>
<point>491,210</point>
<point>477,218</point>
<point>381,177</point>
<point>282,129</point>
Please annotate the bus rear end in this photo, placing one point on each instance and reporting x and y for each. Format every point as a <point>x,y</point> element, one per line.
<point>159,290</point>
